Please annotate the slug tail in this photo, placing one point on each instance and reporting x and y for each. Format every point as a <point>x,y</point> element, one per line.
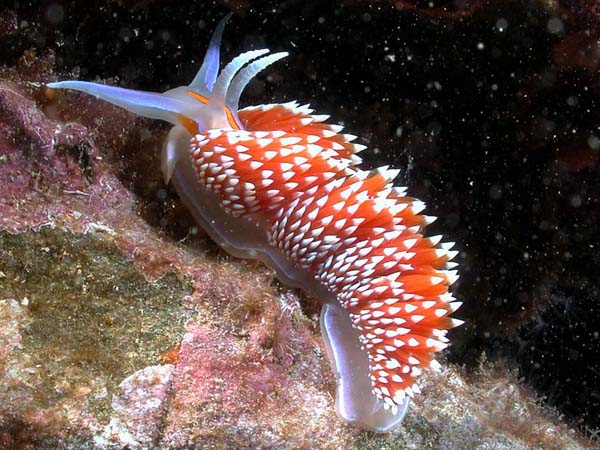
<point>355,402</point>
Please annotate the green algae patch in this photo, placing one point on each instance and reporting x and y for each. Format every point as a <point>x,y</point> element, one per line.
<point>92,317</point>
<point>414,433</point>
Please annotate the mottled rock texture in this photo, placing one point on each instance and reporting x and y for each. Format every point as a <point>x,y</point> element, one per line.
<point>123,326</point>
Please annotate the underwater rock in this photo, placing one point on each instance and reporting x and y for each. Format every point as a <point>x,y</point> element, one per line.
<point>138,409</point>
<point>10,329</point>
<point>257,386</point>
<point>99,289</point>
<point>247,369</point>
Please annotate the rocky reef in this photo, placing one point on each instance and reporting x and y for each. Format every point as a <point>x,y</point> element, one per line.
<point>123,326</point>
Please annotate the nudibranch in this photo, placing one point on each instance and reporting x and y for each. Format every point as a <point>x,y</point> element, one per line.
<point>278,183</point>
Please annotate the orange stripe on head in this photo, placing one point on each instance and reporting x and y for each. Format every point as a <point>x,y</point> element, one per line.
<point>188,124</point>
<point>200,98</point>
<point>231,119</point>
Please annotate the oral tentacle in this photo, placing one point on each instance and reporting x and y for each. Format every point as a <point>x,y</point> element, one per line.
<point>147,104</point>
<point>177,139</point>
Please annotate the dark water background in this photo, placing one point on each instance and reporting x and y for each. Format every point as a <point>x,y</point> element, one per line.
<point>489,108</point>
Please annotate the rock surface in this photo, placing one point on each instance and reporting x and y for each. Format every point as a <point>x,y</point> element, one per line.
<point>242,364</point>
<point>123,326</point>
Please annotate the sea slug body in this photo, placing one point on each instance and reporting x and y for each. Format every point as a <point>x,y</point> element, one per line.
<point>278,183</point>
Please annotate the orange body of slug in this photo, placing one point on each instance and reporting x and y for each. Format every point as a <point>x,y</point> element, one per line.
<point>359,235</point>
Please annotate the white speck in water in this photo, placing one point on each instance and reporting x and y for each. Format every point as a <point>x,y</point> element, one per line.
<point>501,24</point>
<point>555,25</point>
<point>593,142</point>
<point>576,201</point>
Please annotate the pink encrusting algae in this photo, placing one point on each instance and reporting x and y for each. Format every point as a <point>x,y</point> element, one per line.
<point>276,182</point>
